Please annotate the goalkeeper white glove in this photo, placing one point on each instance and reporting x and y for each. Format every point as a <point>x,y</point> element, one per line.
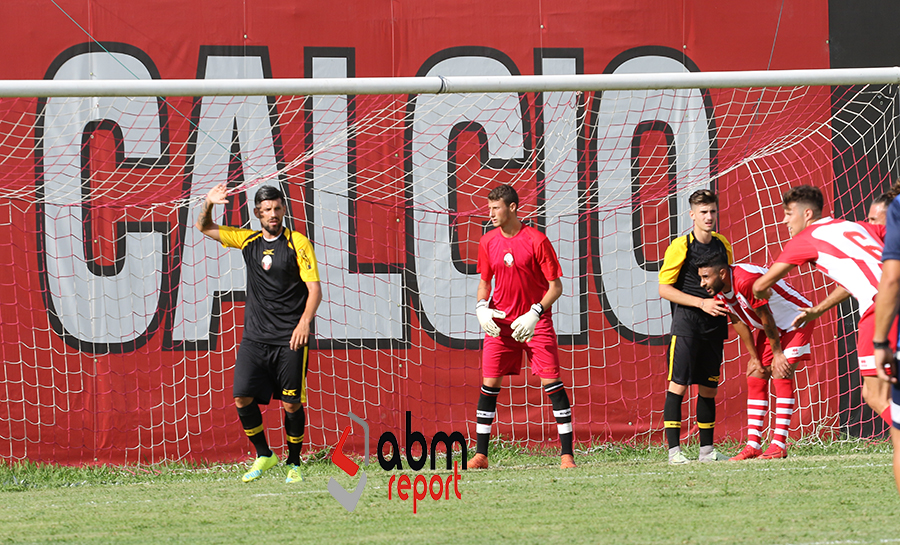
<point>523,327</point>
<point>486,317</point>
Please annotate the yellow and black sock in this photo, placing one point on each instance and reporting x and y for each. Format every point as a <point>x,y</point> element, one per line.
<point>252,422</point>
<point>706,419</point>
<point>294,428</point>
<point>672,419</point>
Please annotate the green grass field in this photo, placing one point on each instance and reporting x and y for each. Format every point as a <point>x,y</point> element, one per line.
<point>836,494</point>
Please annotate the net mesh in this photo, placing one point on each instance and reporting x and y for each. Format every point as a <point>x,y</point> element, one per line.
<point>120,321</point>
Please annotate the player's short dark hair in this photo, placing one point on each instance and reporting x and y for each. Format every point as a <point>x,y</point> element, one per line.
<point>268,193</point>
<point>807,195</point>
<point>504,193</point>
<point>715,260</point>
<point>888,196</point>
<point>703,196</point>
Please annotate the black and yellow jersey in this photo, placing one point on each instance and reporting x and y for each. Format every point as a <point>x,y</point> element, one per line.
<point>277,272</point>
<point>679,270</point>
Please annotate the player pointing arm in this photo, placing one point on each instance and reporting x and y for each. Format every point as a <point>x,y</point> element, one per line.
<point>282,296</point>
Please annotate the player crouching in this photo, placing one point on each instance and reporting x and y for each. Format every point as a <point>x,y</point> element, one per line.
<point>775,352</point>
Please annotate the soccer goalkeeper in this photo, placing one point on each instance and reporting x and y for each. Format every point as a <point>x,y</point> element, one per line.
<point>518,319</point>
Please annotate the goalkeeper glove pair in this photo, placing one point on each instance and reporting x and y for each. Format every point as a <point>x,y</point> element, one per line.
<point>523,326</point>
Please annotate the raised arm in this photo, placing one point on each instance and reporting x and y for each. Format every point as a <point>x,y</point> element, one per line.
<point>216,195</point>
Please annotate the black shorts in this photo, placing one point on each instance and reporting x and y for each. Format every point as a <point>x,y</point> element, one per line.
<point>695,360</point>
<point>264,371</point>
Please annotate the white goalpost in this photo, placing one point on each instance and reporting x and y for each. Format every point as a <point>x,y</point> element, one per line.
<point>120,321</point>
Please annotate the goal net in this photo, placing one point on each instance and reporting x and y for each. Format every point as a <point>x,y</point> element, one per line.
<point>120,321</point>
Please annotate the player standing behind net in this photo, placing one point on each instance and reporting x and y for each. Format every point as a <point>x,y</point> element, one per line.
<point>774,354</point>
<point>699,327</point>
<point>283,294</point>
<point>526,274</point>
<point>850,254</point>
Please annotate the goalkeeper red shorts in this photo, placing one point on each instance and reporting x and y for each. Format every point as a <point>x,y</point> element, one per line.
<point>795,344</point>
<point>502,355</point>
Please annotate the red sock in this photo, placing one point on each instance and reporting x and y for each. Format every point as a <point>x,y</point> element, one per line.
<point>757,409</point>
<point>784,409</point>
<point>886,415</point>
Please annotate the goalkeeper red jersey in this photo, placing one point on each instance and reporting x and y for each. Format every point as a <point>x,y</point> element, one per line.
<point>521,268</point>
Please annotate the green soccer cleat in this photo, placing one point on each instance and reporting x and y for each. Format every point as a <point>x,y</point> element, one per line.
<point>294,475</point>
<point>260,466</point>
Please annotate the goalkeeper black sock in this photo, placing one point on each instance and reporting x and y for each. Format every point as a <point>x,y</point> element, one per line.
<point>252,421</point>
<point>484,417</point>
<point>706,419</point>
<point>672,419</point>
<point>294,428</point>
<point>562,411</point>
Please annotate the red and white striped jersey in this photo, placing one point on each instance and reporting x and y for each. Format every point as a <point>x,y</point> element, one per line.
<point>785,303</point>
<point>847,252</point>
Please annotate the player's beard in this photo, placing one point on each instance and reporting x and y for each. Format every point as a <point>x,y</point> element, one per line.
<point>273,231</point>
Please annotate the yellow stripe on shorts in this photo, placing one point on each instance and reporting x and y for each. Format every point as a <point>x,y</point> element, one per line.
<point>671,358</point>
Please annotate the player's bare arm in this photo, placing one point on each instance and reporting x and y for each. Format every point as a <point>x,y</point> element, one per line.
<point>743,331</point>
<point>763,285</point>
<point>216,195</point>
<point>887,303</point>
<point>713,307</point>
<point>780,366</point>
<point>300,336</point>
<point>554,292</point>
<point>807,315</point>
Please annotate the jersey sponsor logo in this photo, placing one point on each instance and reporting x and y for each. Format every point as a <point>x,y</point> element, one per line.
<point>267,262</point>
<point>305,260</point>
<point>508,259</point>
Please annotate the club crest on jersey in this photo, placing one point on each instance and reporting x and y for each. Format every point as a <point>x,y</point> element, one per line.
<point>267,259</point>
<point>508,259</point>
